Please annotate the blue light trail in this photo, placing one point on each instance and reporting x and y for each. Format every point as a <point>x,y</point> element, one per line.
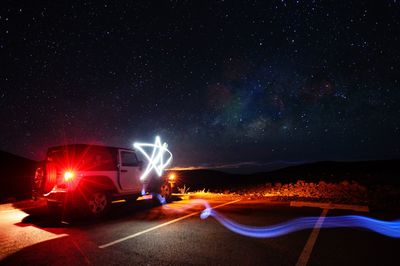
<point>386,228</point>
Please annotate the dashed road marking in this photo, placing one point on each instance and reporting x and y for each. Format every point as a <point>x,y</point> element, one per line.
<point>161,225</point>
<point>305,254</point>
<point>328,205</point>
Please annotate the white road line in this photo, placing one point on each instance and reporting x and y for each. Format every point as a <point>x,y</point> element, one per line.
<point>322,205</point>
<point>305,254</point>
<point>161,225</point>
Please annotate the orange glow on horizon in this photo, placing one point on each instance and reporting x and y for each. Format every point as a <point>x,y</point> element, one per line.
<point>184,168</point>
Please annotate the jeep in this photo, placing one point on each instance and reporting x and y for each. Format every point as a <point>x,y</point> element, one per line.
<point>90,177</point>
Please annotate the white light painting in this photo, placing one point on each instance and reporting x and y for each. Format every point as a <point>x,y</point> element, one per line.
<point>160,156</point>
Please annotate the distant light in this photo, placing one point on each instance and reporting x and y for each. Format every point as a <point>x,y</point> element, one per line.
<point>156,160</point>
<point>171,177</point>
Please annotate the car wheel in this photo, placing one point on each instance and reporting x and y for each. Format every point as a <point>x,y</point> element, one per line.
<point>98,203</point>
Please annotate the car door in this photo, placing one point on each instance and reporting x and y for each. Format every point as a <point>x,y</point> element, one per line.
<point>129,171</point>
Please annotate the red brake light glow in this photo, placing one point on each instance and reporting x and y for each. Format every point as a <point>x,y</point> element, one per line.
<point>69,175</point>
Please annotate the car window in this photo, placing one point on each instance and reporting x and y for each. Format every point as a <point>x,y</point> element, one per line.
<point>128,158</point>
<point>87,159</point>
<point>100,159</point>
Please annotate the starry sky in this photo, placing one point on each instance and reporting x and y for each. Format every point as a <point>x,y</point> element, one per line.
<point>223,83</point>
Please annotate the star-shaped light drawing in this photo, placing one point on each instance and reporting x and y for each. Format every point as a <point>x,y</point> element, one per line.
<point>156,160</point>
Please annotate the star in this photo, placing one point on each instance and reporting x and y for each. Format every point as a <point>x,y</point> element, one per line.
<point>156,159</point>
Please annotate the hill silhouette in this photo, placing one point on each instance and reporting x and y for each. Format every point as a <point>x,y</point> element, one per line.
<point>379,172</point>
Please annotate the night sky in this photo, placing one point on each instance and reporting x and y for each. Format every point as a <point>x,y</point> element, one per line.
<point>228,82</point>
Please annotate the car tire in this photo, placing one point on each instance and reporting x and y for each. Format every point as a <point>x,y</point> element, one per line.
<point>98,203</point>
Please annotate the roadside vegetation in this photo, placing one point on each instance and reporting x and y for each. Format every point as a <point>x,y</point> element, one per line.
<point>350,192</point>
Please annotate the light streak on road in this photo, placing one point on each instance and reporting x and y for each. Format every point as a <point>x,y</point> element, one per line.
<point>386,228</point>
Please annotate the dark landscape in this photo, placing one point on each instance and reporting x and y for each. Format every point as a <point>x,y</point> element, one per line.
<point>16,177</point>
<point>384,172</point>
<point>378,181</point>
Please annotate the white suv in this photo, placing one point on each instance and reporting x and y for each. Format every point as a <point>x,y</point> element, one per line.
<point>91,176</point>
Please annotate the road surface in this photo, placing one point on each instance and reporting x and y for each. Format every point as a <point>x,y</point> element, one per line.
<point>141,234</point>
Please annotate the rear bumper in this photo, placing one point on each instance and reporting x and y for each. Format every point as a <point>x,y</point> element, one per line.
<point>63,197</point>
<point>56,196</point>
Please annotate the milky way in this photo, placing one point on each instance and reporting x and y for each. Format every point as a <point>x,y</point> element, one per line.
<point>221,82</point>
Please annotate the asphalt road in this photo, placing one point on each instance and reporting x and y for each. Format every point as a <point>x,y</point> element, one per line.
<point>141,234</point>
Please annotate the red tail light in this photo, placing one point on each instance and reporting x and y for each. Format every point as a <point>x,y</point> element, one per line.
<point>69,175</point>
